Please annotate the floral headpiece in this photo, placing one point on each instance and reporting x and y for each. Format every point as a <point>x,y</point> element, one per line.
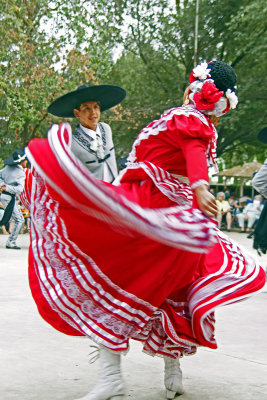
<point>213,88</point>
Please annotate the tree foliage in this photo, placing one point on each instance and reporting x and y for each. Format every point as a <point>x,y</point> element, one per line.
<point>44,54</point>
<point>145,46</point>
<point>157,58</point>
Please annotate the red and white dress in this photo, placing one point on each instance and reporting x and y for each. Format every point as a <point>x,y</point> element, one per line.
<point>138,260</point>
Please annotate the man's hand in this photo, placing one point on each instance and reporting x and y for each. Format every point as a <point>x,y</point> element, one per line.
<point>2,188</point>
<point>206,201</point>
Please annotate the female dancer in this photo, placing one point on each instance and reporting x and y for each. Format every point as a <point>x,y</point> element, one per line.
<point>142,260</point>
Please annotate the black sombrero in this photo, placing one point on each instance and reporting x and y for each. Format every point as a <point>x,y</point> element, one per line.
<point>107,96</point>
<point>262,135</point>
<point>17,157</point>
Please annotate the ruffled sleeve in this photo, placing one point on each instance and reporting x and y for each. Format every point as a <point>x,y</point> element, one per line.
<point>192,136</point>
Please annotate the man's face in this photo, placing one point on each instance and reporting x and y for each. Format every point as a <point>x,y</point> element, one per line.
<point>24,163</point>
<point>88,114</point>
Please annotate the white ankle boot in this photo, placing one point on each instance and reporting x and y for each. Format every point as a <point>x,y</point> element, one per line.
<point>173,377</point>
<point>110,385</point>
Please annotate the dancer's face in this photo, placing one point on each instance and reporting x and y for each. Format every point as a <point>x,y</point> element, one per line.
<point>88,114</point>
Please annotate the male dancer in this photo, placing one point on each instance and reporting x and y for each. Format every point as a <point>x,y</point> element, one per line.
<point>12,178</point>
<point>92,140</point>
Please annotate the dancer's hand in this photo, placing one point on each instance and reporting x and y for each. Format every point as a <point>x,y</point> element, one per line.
<point>206,201</point>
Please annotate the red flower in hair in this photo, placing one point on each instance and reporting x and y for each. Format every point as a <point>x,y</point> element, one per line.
<point>209,95</point>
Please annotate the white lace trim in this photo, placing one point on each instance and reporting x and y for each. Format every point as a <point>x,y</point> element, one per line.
<point>61,263</point>
<point>199,183</point>
<point>244,270</point>
<point>45,249</point>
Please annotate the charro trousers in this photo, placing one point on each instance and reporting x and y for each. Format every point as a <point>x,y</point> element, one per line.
<point>17,217</point>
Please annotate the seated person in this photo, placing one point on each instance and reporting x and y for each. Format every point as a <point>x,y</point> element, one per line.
<point>227,194</point>
<point>250,214</point>
<point>235,207</point>
<point>212,191</point>
<point>26,215</point>
<point>224,211</point>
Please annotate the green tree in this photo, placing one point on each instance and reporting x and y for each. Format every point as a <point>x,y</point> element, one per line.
<point>158,52</point>
<point>45,51</point>
<point>56,46</point>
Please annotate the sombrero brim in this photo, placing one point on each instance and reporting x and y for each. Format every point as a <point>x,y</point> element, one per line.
<point>10,160</point>
<point>107,96</point>
<point>262,135</point>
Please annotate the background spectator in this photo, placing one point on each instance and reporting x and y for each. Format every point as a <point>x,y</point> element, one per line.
<point>250,214</point>
<point>26,215</point>
<point>212,191</point>
<point>224,211</point>
<point>235,208</point>
<point>12,178</point>
<point>227,194</point>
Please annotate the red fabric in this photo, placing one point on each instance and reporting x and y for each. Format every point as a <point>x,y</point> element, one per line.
<point>194,138</point>
<point>126,262</point>
<point>25,195</point>
<point>180,148</point>
<point>209,95</point>
<point>49,315</point>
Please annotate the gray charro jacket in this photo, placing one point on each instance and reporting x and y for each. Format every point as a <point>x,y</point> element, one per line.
<point>83,149</point>
<point>14,177</point>
<point>260,180</point>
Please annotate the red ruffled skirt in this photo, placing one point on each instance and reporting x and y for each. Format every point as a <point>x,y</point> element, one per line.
<point>127,262</point>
